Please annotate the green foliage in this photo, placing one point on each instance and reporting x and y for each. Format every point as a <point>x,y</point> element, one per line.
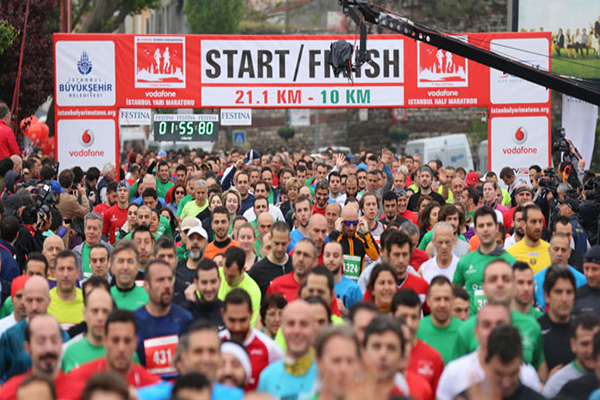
<point>214,17</point>
<point>7,35</point>
<point>398,134</point>
<point>286,132</point>
<point>479,131</point>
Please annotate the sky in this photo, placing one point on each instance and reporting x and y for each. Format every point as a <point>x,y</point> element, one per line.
<point>554,14</point>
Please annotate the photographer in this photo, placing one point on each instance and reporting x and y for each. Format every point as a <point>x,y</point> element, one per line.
<point>589,209</point>
<point>68,205</point>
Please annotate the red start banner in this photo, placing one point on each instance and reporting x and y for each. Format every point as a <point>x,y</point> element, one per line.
<point>95,73</point>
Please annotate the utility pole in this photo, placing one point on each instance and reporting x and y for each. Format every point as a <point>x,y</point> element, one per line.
<point>65,16</point>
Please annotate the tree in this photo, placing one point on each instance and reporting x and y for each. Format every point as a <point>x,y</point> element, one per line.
<point>7,35</point>
<point>36,72</point>
<point>214,17</point>
<point>94,16</point>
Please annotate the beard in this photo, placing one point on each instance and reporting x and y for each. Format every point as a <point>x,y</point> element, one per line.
<point>196,253</point>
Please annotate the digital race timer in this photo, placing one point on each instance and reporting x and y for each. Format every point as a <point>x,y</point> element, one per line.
<point>186,127</point>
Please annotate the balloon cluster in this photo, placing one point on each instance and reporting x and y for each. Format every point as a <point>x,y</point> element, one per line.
<point>37,131</point>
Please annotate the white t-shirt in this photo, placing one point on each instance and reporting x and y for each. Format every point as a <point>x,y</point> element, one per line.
<point>274,211</point>
<point>7,322</point>
<point>430,269</point>
<point>465,371</point>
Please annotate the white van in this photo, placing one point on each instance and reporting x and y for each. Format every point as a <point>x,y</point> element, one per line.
<point>451,150</point>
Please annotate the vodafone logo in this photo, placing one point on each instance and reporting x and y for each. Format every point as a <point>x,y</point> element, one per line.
<point>520,135</point>
<point>86,139</point>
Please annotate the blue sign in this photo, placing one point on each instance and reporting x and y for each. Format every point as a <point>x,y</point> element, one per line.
<point>239,138</point>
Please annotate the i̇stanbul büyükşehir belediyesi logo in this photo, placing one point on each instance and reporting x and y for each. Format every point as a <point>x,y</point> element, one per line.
<point>86,139</point>
<point>520,135</point>
<point>84,65</point>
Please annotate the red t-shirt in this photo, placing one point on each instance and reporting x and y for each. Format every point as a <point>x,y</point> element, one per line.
<point>316,210</point>
<point>418,387</point>
<point>427,362</point>
<point>9,389</point>
<point>411,216</point>
<point>414,282</point>
<point>137,377</point>
<point>101,209</point>
<point>419,257</point>
<point>262,351</point>
<point>289,287</point>
<point>114,219</point>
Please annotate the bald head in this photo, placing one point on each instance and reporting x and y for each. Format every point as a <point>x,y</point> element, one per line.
<point>317,230</point>
<point>349,213</point>
<point>37,296</point>
<point>265,217</point>
<point>296,307</point>
<point>298,328</point>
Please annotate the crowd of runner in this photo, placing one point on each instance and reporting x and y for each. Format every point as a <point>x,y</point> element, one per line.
<point>294,276</point>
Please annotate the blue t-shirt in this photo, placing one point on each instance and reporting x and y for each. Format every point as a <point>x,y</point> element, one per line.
<point>162,391</point>
<point>159,337</point>
<point>280,384</point>
<point>539,278</point>
<point>295,237</point>
<point>348,291</point>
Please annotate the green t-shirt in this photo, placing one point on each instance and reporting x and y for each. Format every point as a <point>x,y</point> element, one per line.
<point>469,273</point>
<point>429,236</point>
<point>186,199</point>
<point>529,328</point>
<point>7,308</point>
<point>85,260</point>
<point>83,351</point>
<point>182,252</point>
<point>164,228</point>
<point>441,339</point>
<point>129,299</point>
<point>535,312</point>
<point>191,209</point>
<point>250,286</point>
<point>163,188</point>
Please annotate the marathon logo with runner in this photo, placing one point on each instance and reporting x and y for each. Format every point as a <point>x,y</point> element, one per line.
<point>159,62</point>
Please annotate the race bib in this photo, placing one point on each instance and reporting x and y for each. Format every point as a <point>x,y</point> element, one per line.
<point>352,267</point>
<point>480,299</point>
<point>159,354</point>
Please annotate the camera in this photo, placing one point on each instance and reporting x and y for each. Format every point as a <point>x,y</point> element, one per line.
<point>562,145</point>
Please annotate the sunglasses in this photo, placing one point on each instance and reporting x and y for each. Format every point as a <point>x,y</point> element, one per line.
<point>350,223</point>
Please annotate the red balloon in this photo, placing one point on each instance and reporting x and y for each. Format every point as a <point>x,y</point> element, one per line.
<point>45,131</point>
<point>35,132</point>
<point>48,146</point>
<point>26,123</point>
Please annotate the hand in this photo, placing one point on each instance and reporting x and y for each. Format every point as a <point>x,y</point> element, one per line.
<point>342,307</point>
<point>92,197</point>
<point>340,161</point>
<point>338,224</point>
<point>363,226</point>
<point>239,164</point>
<point>385,156</point>
<point>581,164</point>
<point>190,292</point>
<point>81,189</point>
<point>442,174</point>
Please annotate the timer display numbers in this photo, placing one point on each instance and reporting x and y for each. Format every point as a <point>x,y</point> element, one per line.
<point>186,127</point>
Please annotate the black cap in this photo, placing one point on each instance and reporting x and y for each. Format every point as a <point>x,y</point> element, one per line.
<point>250,156</point>
<point>573,203</point>
<point>593,255</point>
